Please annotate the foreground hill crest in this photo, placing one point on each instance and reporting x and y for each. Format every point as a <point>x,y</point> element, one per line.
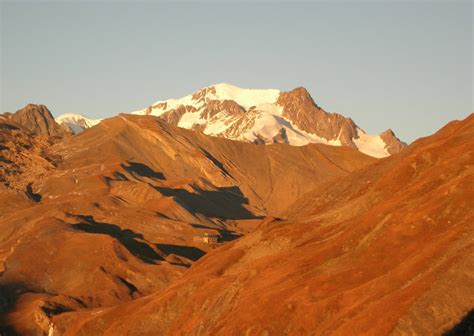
<point>261,116</point>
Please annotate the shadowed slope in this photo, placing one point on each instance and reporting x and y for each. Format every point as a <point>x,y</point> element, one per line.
<point>117,212</point>
<point>270,177</point>
<point>386,250</point>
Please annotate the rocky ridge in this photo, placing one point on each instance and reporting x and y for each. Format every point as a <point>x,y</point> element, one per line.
<point>39,120</point>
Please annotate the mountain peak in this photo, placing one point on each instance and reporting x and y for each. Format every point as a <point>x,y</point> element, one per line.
<point>299,95</point>
<point>261,116</point>
<point>264,114</point>
<point>243,97</point>
<point>393,143</point>
<point>301,91</point>
<point>388,132</point>
<point>38,119</point>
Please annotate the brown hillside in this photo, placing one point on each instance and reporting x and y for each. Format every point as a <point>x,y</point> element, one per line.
<point>113,216</point>
<point>385,250</point>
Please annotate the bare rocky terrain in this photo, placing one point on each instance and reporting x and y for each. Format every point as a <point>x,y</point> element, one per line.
<point>103,233</point>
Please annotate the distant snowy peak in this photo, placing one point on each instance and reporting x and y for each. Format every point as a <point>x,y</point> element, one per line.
<point>269,116</point>
<point>259,116</point>
<point>246,98</point>
<point>76,123</point>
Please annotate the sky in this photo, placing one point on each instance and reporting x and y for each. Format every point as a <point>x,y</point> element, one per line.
<point>404,65</point>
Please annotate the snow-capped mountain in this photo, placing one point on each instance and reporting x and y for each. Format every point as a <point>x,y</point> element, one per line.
<point>269,116</point>
<point>76,123</point>
<point>259,116</point>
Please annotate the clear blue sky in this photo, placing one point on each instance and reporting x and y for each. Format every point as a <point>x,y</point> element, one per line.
<point>400,65</point>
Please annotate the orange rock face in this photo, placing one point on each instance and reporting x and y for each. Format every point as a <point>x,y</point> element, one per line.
<point>299,107</point>
<point>310,240</point>
<point>39,120</point>
<point>23,158</point>
<point>216,106</point>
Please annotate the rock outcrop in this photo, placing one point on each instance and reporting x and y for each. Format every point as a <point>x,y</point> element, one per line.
<point>39,120</point>
<point>394,144</point>
<point>300,108</point>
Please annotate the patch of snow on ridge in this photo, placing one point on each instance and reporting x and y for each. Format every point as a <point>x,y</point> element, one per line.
<point>271,108</point>
<point>372,145</point>
<point>174,103</point>
<point>265,125</point>
<point>269,125</point>
<point>304,138</point>
<point>246,97</point>
<point>219,124</point>
<point>189,119</point>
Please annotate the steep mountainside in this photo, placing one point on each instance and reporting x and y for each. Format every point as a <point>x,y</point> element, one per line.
<point>121,210</point>
<point>386,249</point>
<point>264,117</point>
